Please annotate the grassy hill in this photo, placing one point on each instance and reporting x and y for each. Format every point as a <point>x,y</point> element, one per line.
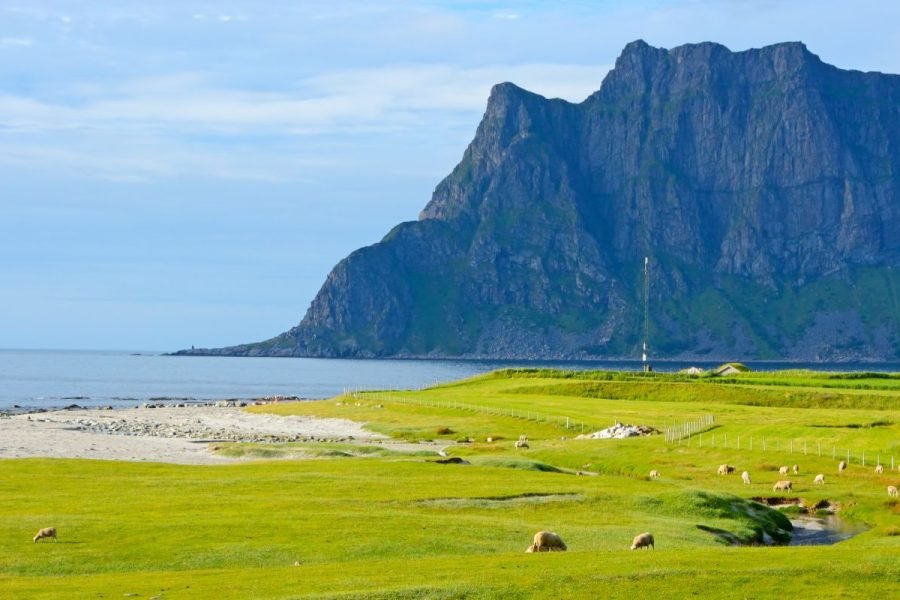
<point>349,521</point>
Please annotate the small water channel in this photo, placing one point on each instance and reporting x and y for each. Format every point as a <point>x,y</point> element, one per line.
<point>822,530</point>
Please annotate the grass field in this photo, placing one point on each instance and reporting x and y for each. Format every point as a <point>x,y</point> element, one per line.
<point>346,521</point>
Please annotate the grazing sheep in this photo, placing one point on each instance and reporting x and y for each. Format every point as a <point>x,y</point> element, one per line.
<point>654,474</point>
<point>746,477</point>
<point>522,444</point>
<point>842,466</point>
<point>879,469</point>
<point>796,469</point>
<point>783,486</point>
<point>547,541</point>
<point>725,469</point>
<point>46,532</point>
<point>892,491</point>
<point>643,540</point>
<point>783,470</point>
<point>820,479</point>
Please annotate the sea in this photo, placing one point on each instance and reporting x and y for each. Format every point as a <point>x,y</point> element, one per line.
<point>48,379</point>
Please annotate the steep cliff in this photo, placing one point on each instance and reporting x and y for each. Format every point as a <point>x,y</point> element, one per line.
<point>764,186</point>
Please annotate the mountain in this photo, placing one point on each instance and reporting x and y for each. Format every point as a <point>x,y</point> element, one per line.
<point>763,185</point>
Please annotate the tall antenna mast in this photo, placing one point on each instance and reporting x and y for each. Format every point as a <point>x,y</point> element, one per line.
<point>647,366</point>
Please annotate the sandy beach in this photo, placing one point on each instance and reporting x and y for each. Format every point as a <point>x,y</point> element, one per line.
<point>166,434</point>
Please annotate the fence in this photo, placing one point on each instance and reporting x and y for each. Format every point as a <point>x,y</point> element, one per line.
<point>562,421</point>
<point>692,433</point>
<point>676,433</point>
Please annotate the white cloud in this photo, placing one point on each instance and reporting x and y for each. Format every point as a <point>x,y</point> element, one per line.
<point>15,41</point>
<point>389,97</point>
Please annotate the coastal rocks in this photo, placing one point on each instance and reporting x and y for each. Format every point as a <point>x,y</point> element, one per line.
<point>619,431</point>
<point>192,431</point>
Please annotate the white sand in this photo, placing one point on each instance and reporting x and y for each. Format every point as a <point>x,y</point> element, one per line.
<point>55,434</point>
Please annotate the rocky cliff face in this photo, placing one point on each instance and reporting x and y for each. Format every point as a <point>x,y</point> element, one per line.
<point>764,186</point>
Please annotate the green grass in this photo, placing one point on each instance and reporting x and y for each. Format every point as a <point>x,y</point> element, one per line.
<point>367,521</point>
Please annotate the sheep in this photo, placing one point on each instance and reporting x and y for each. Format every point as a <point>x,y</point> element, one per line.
<point>796,469</point>
<point>643,540</point>
<point>725,469</point>
<point>842,466</point>
<point>820,479</point>
<point>783,470</point>
<point>46,532</point>
<point>746,477</point>
<point>782,486</point>
<point>892,491</point>
<point>654,474</point>
<point>522,444</point>
<point>547,541</point>
<point>879,469</point>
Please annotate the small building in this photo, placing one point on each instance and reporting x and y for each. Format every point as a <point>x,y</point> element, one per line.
<point>730,369</point>
<point>692,371</point>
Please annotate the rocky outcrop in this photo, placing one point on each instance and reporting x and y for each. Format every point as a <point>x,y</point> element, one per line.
<point>762,184</point>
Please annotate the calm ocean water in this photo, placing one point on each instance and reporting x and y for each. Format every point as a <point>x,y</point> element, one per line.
<point>54,378</point>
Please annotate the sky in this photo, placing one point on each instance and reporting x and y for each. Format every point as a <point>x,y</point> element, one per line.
<point>180,172</point>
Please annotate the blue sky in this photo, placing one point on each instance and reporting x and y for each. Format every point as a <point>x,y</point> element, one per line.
<point>188,172</point>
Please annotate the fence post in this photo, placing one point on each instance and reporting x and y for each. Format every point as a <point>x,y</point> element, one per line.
<point>864,458</point>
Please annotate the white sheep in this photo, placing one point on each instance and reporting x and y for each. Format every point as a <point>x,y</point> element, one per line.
<point>796,469</point>
<point>654,474</point>
<point>892,491</point>
<point>644,540</point>
<point>782,486</point>
<point>725,469</point>
<point>842,466</point>
<point>820,479</point>
<point>746,477</point>
<point>879,469</point>
<point>46,532</point>
<point>547,541</point>
<point>783,470</point>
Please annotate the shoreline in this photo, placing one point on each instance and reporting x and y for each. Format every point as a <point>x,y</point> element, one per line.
<point>171,434</point>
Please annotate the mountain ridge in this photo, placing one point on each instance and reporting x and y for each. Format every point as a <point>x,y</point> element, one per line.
<point>762,184</point>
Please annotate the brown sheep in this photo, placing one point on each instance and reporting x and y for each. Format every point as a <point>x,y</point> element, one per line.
<point>46,532</point>
<point>783,486</point>
<point>644,540</point>
<point>892,491</point>
<point>547,541</point>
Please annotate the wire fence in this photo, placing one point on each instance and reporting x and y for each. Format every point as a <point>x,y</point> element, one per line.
<point>696,434</point>
<point>573,424</point>
<point>685,430</point>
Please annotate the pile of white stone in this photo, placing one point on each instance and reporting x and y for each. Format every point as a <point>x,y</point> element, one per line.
<point>619,431</point>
